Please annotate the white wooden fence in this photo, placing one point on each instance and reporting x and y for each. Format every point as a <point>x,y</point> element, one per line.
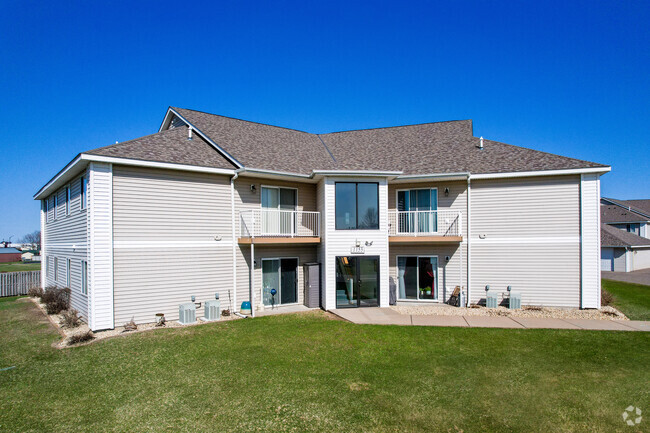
<point>18,283</point>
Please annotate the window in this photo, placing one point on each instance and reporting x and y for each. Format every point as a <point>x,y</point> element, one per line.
<point>44,207</point>
<point>417,210</point>
<point>56,269</point>
<point>357,206</point>
<point>281,275</point>
<point>67,272</point>
<point>55,198</point>
<point>634,228</point>
<point>417,277</point>
<point>82,193</point>
<point>84,277</point>
<point>67,200</point>
<point>277,207</point>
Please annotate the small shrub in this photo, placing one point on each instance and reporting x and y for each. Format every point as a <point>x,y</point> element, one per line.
<point>56,300</point>
<point>80,338</point>
<point>225,313</point>
<point>70,319</point>
<point>130,326</point>
<point>35,292</point>
<point>606,298</point>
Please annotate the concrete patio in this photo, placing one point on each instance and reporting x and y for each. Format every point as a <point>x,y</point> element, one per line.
<point>388,316</point>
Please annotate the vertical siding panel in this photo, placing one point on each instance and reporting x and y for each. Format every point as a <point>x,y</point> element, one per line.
<point>590,240</point>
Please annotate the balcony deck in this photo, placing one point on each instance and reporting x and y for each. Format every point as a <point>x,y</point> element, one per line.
<point>425,227</point>
<point>425,239</point>
<point>279,227</point>
<point>280,240</point>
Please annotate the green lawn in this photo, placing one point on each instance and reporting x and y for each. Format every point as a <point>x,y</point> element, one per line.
<point>632,299</point>
<point>309,373</point>
<point>19,266</point>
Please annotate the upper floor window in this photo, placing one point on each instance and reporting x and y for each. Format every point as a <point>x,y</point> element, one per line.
<point>357,205</point>
<point>55,204</point>
<point>67,200</point>
<point>634,228</point>
<point>417,210</point>
<point>82,193</point>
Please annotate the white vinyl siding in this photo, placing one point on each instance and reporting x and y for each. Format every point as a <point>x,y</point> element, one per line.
<point>66,239</point>
<point>590,234</point>
<point>339,242</point>
<point>526,234</point>
<point>100,219</point>
<point>166,226</point>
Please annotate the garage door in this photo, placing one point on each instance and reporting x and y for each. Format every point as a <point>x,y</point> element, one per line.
<point>607,259</point>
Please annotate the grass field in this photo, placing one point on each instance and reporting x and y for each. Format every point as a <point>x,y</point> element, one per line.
<point>307,372</point>
<point>19,266</point>
<point>632,299</point>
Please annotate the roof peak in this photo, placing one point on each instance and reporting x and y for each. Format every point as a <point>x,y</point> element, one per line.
<point>241,120</point>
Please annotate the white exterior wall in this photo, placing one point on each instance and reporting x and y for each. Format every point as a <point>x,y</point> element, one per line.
<point>100,246</point>
<point>165,224</point>
<point>339,242</point>
<point>525,232</point>
<point>65,238</point>
<point>590,240</point>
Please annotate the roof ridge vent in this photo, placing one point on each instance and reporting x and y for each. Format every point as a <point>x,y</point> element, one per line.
<point>480,144</point>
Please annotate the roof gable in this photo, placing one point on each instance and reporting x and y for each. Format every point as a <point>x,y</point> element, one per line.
<point>613,237</point>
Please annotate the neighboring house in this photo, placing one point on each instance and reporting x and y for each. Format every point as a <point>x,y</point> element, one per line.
<point>8,255</point>
<point>625,234</point>
<point>407,212</point>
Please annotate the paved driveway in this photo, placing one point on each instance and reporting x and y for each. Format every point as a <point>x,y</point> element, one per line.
<point>638,277</point>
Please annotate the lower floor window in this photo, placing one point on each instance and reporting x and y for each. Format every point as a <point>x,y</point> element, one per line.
<point>84,277</point>
<point>280,281</point>
<point>56,269</point>
<point>418,277</point>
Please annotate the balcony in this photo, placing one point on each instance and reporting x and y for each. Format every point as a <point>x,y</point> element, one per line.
<point>431,226</point>
<point>271,226</point>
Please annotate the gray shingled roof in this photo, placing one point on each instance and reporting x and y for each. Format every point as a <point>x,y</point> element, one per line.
<point>641,208</point>
<point>167,146</point>
<point>442,147</point>
<point>610,213</point>
<point>613,237</point>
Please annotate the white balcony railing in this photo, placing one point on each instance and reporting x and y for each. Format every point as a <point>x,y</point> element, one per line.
<point>279,223</point>
<point>425,223</point>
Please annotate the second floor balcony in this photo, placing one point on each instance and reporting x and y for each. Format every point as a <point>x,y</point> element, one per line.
<point>273,226</point>
<point>425,226</point>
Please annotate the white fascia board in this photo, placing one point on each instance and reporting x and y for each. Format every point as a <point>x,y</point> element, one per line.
<point>166,120</point>
<point>590,170</point>
<point>155,164</point>
<point>82,160</point>
<point>627,222</point>
<point>390,175</point>
<point>266,173</point>
<point>206,138</point>
<point>69,171</point>
<point>431,177</point>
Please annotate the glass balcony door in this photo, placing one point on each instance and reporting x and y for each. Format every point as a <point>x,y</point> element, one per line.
<point>417,209</point>
<point>281,275</point>
<point>278,205</point>
<point>357,281</point>
<point>418,278</point>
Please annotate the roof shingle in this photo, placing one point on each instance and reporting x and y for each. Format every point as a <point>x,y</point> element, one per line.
<point>613,237</point>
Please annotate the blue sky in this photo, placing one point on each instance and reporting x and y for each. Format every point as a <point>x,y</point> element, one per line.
<point>564,77</point>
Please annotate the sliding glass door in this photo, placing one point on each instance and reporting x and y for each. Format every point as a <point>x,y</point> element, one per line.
<point>278,205</point>
<point>417,277</point>
<point>357,281</point>
<point>417,210</point>
<point>281,275</point>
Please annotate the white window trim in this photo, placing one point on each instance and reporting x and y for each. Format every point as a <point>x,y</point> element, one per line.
<point>278,187</point>
<point>56,269</point>
<point>56,204</point>
<point>68,272</point>
<point>432,301</point>
<point>280,281</point>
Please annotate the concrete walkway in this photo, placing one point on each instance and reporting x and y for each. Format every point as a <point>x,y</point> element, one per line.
<point>388,316</point>
<point>638,277</point>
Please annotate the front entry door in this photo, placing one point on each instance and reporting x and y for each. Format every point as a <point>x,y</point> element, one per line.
<point>357,281</point>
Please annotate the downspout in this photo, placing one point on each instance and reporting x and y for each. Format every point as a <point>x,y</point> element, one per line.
<point>234,238</point>
<point>469,239</point>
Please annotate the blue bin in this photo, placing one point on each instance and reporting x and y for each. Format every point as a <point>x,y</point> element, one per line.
<point>245,307</point>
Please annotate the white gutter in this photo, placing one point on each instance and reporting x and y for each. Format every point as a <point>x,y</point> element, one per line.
<point>433,177</point>
<point>275,173</point>
<point>542,173</point>
<point>354,173</point>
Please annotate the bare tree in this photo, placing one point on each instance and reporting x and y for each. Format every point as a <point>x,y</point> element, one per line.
<point>33,238</point>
